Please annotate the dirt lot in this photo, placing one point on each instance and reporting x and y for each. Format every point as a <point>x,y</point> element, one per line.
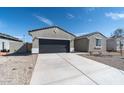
<point>16,70</point>
<point>111,59</point>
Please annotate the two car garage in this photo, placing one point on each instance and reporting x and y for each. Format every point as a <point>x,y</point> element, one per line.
<point>53,46</point>
<point>51,40</point>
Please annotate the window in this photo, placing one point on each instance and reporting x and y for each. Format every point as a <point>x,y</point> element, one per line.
<point>3,45</point>
<point>98,42</point>
<point>118,42</point>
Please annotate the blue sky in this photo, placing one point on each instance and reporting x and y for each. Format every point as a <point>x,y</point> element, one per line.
<point>18,21</point>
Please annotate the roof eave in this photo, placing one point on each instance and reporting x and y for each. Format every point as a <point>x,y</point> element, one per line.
<point>49,28</point>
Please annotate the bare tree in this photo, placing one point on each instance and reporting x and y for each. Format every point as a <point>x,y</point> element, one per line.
<point>119,33</point>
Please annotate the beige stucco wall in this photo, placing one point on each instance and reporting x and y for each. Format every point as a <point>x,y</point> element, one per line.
<point>81,44</point>
<point>86,44</point>
<point>51,33</point>
<point>92,42</point>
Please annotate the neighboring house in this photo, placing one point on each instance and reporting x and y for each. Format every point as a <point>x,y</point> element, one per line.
<point>51,39</point>
<point>10,44</point>
<point>114,44</point>
<point>91,42</point>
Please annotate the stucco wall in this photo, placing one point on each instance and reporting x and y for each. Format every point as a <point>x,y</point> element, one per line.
<point>111,44</point>
<point>13,46</point>
<point>6,44</point>
<point>51,33</point>
<point>35,45</point>
<point>17,47</point>
<point>92,42</point>
<point>81,45</point>
<point>118,43</point>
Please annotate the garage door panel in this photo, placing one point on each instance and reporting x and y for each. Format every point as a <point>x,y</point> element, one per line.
<point>53,46</point>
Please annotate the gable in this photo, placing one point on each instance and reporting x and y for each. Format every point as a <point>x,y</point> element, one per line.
<point>54,32</point>
<point>91,35</point>
<point>97,35</point>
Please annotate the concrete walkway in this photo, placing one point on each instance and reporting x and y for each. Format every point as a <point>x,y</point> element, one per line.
<point>69,68</point>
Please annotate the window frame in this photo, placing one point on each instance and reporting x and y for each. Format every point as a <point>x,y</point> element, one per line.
<point>98,42</point>
<point>3,45</point>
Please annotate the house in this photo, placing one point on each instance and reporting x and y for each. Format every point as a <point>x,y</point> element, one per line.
<point>115,44</point>
<point>90,42</point>
<point>10,44</point>
<point>51,40</point>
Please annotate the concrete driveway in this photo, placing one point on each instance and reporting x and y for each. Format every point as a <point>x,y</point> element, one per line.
<point>69,68</point>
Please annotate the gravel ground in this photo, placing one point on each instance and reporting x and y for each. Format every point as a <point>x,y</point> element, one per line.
<point>16,70</point>
<point>113,59</point>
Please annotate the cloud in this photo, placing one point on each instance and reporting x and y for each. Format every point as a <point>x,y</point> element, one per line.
<point>90,20</point>
<point>70,16</point>
<point>115,16</point>
<point>20,37</point>
<point>44,20</point>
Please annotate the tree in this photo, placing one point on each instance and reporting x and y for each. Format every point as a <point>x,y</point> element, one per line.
<point>118,33</point>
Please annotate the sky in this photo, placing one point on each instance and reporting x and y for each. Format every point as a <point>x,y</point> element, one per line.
<point>18,21</point>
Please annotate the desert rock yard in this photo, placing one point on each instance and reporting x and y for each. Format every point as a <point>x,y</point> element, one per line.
<point>16,69</point>
<point>112,59</point>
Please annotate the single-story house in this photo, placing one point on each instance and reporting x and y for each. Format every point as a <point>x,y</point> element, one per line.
<point>90,42</point>
<point>115,44</point>
<point>10,44</point>
<point>51,39</point>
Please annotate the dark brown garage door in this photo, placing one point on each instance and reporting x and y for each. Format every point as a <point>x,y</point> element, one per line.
<point>53,46</point>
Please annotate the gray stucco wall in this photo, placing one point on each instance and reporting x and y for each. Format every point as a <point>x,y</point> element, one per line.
<point>13,46</point>
<point>51,33</point>
<point>92,42</point>
<point>118,40</point>
<point>111,44</point>
<point>35,43</point>
<point>81,45</point>
<point>17,47</point>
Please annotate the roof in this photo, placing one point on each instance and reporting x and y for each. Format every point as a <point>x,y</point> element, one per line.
<point>51,27</point>
<point>115,38</point>
<point>90,34</point>
<point>5,36</point>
